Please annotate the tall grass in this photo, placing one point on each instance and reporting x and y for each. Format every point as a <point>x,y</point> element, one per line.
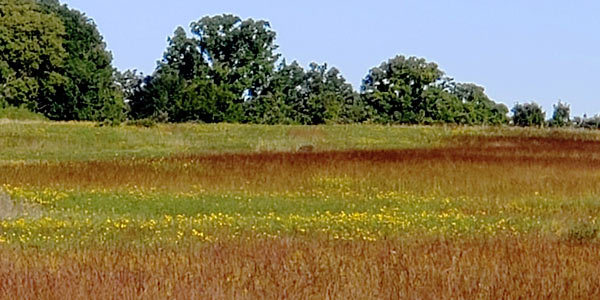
<point>235,211</point>
<point>69,141</point>
<point>9,114</point>
<point>526,267</point>
<point>492,168</point>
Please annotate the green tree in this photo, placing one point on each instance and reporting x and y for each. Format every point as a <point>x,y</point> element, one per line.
<point>211,76</point>
<point>319,95</point>
<point>412,90</point>
<point>328,97</point>
<point>163,93</point>
<point>184,56</point>
<point>440,106</point>
<point>561,116</point>
<point>478,107</point>
<point>31,55</point>
<point>280,97</point>
<point>241,53</point>
<point>129,82</point>
<point>181,89</point>
<point>528,114</point>
<point>395,90</point>
<point>90,91</point>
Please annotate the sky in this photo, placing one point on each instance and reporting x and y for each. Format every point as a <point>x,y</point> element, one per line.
<point>519,50</point>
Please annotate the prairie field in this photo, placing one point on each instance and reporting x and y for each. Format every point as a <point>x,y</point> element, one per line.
<point>197,211</point>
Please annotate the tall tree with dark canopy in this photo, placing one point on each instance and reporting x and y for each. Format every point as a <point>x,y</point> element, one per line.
<point>31,55</point>
<point>210,76</point>
<point>241,54</point>
<point>89,91</point>
<point>394,90</point>
<point>181,88</point>
<point>317,96</point>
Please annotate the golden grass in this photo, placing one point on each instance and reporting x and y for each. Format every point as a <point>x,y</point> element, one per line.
<point>527,267</point>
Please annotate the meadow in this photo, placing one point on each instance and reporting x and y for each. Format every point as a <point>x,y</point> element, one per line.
<point>247,211</point>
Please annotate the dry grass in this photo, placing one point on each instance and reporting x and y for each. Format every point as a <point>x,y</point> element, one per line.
<point>500,268</point>
<point>517,178</point>
<point>489,167</point>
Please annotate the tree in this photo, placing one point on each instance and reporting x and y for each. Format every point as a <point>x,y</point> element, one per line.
<point>158,94</point>
<point>89,91</point>
<point>440,106</point>
<point>279,99</point>
<point>478,107</point>
<point>528,114</point>
<point>329,98</point>
<point>412,90</point>
<point>184,56</point>
<point>31,55</point>
<point>395,90</point>
<point>129,82</point>
<point>210,76</point>
<point>181,88</point>
<point>241,53</point>
<point>319,95</point>
<point>561,116</point>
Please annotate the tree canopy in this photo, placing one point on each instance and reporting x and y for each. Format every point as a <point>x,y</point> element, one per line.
<point>528,114</point>
<point>53,60</point>
<point>414,91</point>
<point>31,55</point>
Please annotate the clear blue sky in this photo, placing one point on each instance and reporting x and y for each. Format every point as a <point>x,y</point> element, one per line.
<point>518,50</point>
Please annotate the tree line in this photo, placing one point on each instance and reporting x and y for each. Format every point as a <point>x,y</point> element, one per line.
<point>54,61</point>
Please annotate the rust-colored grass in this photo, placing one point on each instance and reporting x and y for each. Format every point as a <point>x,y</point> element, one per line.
<point>496,167</point>
<point>517,179</point>
<point>499,268</point>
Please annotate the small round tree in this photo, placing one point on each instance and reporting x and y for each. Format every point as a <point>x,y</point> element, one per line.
<point>561,116</point>
<point>528,114</point>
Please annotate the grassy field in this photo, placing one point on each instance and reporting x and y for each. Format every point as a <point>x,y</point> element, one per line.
<point>240,211</point>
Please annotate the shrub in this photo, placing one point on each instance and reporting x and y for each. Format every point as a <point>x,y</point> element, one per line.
<point>582,232</point>
<point>561,116</point>
<point>528,114</point>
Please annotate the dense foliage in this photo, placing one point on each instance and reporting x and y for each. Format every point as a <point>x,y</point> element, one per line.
<point>31,55</point>
<point>210,76</point>
<point>561,116</point>
<point>54,61</point>
<point>315,96</point>
<point>88,91</point>
<point>227,72</point>
<point>412,90</point>
<point>528,114</point>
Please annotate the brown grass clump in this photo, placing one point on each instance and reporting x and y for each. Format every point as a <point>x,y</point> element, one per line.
<point>500,268</point>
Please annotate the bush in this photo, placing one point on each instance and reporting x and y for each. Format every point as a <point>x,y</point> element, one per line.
<point>561,116</point>
<point>528,114</point>
<point>582,232</point>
